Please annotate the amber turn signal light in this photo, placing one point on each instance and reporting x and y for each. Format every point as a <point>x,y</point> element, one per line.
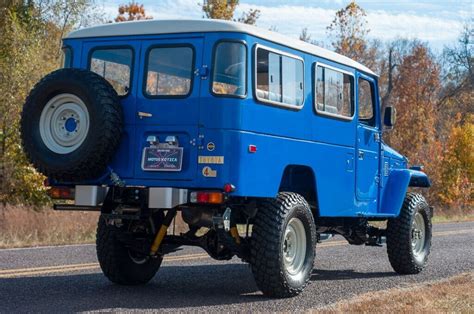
<point>61,192</point>
<point>206,197</point>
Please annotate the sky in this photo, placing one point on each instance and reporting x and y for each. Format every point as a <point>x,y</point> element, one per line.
<point>437,22</point>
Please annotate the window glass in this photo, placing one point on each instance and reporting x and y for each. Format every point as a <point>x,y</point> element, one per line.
<point>366,106</point>
<point>67,57</point>
<point>334,92</point>
<point>115,66</point>
<point>169,71</point>
<point>229,73</point>
<point>279,78</point>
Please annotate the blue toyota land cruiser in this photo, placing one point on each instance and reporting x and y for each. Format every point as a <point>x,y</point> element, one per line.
<point>261,143</point>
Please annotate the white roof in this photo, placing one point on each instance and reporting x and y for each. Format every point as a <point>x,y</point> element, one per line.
<point>154,27</point>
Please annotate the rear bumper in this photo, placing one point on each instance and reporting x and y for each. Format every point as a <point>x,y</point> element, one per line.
<point>158,197</point>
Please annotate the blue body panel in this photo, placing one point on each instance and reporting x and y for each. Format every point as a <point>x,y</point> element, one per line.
<point>397,185</point>
<point>346,157</point>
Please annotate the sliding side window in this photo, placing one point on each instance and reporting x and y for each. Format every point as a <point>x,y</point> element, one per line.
<point>334,92</point>
<point>279,78</point>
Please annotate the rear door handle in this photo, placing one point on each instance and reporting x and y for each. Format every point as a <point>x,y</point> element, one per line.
<point>144,115</point>
<point>361,154</point>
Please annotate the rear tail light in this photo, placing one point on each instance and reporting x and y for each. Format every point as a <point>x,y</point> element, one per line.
<point>206,197</point>
<point>61,192</point>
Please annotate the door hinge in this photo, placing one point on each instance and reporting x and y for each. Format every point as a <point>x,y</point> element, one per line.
<point>377,136</point>
<point>377,179</point>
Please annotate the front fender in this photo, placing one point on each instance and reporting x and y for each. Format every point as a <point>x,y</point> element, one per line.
<point>396,188</point>
<point>419,179</point>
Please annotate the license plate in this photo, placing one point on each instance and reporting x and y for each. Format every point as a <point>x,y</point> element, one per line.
<point>162,159</point>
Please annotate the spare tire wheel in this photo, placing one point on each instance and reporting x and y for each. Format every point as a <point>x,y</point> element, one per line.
<point>71,125</point>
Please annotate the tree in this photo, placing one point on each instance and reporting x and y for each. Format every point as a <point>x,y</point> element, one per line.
<point>457,172</point>
<point>348,31</point>
<point>225,9</point>
<point>415,95</point>
<point>392,57</point>
<point>458,78</point>
<point>456,127</point>
<point>304,36</point>
<point>131,12</point>
<point>249,17</point>
<point>220,9</point>
<point>29,49</point>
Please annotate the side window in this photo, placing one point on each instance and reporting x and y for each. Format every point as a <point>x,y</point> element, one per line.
<point>229,71</point>
<point>113,64</point>
<point>279,78</point>
<point>366,102</point>
<point>67,57</point>
<point>334,92</point>
<point>169,71</point>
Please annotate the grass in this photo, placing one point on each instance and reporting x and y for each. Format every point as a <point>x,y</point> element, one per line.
<point>455,294</point>
<point>443,218</point>
<point>22,227</point>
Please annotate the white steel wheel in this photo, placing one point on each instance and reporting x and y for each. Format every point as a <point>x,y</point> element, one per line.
<point>418,237</point>
<point>294,247</point>
<point>64,123</point>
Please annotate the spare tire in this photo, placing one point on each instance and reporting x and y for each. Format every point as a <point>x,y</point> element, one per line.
<point>71,125</point>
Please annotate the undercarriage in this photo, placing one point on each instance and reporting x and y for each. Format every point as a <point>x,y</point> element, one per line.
<point>222,231</point>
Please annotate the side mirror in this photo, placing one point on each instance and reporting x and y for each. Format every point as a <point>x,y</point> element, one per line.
<point>389,117</point>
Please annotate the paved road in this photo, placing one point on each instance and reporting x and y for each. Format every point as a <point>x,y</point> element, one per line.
<point>67,278</point>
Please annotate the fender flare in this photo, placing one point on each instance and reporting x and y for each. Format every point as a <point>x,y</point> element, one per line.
<point>396,188</point>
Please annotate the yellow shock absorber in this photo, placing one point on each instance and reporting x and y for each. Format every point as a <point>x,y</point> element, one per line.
<point>162,232</point>
<point>235,234</point>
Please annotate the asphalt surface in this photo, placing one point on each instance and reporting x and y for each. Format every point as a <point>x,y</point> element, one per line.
<point>67,278</point>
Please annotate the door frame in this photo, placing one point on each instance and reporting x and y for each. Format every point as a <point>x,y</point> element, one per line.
<point>376,137</point>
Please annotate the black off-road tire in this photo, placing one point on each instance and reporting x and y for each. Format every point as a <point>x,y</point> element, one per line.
<point>115,261</point>
<point>90,159</point>
<point>400,235</point>
<point>266,256</point>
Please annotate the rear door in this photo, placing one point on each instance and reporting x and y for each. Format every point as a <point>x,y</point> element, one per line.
<point>167,109</point>
<point>117,61</point>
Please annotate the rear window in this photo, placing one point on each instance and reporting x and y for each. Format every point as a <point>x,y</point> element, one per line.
<point>229,71</point>
<point>334,90</point>
<point>169,71</point>
<point>279,78</point>
<point>113,64</point>
<point>67,57</point>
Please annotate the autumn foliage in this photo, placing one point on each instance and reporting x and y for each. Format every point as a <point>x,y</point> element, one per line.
<point>457,172</point>
<point>131,12</point>
<point>225,10</point>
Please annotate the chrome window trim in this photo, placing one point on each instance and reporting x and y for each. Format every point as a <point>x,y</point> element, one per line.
<point>315,102</point>
<point>272,102</point>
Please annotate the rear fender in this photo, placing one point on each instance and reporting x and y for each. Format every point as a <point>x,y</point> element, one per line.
<point>397,186</point>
